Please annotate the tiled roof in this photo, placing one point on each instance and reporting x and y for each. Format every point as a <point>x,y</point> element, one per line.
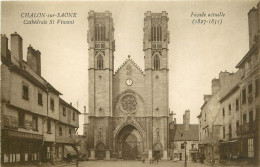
<point>68,105</point>
<point>188,135</point>
<point>28,76</point>
<point>248,54</point>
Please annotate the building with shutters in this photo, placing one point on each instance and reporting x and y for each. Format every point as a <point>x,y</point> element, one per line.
<point>181,133</point>
<point>31,109</point>
<point>229,118</point>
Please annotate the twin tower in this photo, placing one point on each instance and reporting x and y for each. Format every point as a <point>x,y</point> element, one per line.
<point>129,108</point>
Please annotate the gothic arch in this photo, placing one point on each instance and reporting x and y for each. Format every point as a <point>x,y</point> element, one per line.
<point>126,122</point>
<point>156,32</point>
<point>100,62</point>
<point>135,132</point>
<point>100,146</point>
<point>120,132</point>
<point>100,150</point>
<point>156,62</point>
<point>100,32</point>
<point>158,146</point>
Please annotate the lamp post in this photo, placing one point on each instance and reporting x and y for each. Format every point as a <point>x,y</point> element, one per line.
<point>185,162</point>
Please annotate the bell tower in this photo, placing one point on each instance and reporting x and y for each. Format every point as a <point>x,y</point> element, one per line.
<point>155,47</point>
<point>101,62</point>
<point>100,71</point>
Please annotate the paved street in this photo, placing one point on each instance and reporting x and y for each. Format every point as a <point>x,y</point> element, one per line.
<point>125,164</point>
<point>137,164</point>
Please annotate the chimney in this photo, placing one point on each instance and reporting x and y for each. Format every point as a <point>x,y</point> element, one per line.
<point>253,25</point>
<point>86,121</point>
<point>4,46</point>
<point>207,97</point>
<point>16,48</point>
<point>71,103</point>
<point>223,78</point>
<point>186,120</point>
<point>175,121</point>
<point>215,85</point>
<point>258,9</point>
<point>34,59</point>
<point>171,116</point>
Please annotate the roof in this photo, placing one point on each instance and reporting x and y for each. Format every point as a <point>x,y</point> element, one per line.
<point>188,135</point>
<point>232,91</point>
<point>199,115</point>
<point>125,62</point>
<point>249,53</point>
<point>28,76</point>
<point>205,102</point>
<point>68,105</point>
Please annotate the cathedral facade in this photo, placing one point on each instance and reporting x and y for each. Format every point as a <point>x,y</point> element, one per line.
<point>128,108</point>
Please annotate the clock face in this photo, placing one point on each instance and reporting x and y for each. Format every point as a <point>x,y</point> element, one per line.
<point>129,82</point>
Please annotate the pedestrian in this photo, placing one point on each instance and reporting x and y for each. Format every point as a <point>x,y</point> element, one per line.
<point>143,160</point>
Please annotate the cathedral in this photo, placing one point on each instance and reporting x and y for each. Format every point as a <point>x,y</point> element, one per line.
<point>128,110</point>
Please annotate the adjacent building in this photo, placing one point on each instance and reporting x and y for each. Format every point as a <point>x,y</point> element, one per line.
<point>249,91</point>
<point>210,118</point>
<point>229,118</point>
<point>66,129</point>
<point>30,108</point>
<point>181,134</point>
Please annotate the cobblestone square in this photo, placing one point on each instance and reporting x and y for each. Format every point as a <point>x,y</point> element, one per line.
<point>140,164</point>
<point>137,164</point>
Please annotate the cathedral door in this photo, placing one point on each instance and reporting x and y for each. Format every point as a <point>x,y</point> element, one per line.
<point>129,147</point>
<point>100,151</point>
<point>157,154</point>
<point>129,143</point>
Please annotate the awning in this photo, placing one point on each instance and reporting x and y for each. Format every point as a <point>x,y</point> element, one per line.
<point>230,141</point>
<point>23,135</point>
<point>193,151</point>
<point>69,150</point>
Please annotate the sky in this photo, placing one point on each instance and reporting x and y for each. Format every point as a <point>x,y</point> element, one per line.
<point>197,53</point>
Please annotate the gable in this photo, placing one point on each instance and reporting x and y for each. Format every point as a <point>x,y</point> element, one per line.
<point>129,78</point>
<point>129,67</point>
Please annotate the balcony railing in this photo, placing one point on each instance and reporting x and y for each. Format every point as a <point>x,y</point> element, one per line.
<point>250,98</point>
<point>156,45</point>
<point>229,136</point>
<point>100,45</point>
<point>193,149</point>
<point>250,127</point>
<point>63,139</point>
<point>239,131</point>
<point>10,122</point>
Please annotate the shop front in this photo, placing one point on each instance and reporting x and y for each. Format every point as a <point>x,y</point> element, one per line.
<point>20,147</point>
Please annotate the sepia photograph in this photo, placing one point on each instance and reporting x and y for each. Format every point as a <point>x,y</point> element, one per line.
<point>130,83</point>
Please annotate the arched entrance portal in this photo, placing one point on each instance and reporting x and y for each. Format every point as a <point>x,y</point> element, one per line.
<point>100,151</point>
<point>129,143</point>
<point>157,152</point>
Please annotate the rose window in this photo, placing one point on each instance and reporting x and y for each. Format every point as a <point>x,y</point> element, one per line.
<point>129,103</point>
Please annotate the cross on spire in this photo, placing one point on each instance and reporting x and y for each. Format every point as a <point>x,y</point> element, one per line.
<point>157,109</point>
